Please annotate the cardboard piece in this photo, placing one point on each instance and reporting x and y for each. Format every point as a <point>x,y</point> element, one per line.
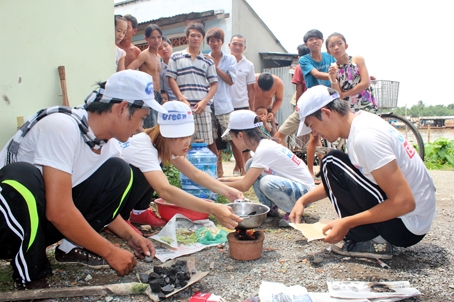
<point>312,231</point>
<point>190,262</point>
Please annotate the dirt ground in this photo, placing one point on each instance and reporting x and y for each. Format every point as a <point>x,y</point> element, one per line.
<point>288,258</point>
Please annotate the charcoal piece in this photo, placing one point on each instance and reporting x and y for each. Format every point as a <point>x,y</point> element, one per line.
<point>162,282</point>
<point>172,279</point>
<point>161,296</point>
<point>158,270</point>
<point>153,276</point>
<point>148,259</point>
<point>172,271</point>
<point>155,286</point>
<point>167,280</point>
<point>193,272</point>
<point>183,283</point>
<point>180,263</point>
<point>167,289</point>
<point>143,277</point>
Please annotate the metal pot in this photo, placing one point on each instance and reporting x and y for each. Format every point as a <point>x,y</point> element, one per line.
<point>253,214</point>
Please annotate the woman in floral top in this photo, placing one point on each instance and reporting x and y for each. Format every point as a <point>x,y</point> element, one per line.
<point>349,75</point>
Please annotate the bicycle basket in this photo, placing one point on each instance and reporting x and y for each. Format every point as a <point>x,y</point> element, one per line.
<point>386,93</point>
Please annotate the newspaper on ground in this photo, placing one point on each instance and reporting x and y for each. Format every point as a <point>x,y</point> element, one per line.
<point>343,291</point>
<point>169,247</point>
<point>372,290</point>
<point>312,231</point>
<point>278,292</point>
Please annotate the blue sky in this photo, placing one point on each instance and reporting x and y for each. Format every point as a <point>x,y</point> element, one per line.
<point>409,42</point>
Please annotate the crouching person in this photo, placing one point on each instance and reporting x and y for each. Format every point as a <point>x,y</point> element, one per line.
<point>61,176</point>
<point>381,189</point>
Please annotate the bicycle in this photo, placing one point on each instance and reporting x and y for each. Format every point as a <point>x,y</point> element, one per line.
<point>386,94</point>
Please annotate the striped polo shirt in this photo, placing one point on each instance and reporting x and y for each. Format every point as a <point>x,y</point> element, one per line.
<point>193,77</point>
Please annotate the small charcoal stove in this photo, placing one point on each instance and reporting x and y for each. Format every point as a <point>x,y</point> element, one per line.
<point>246,243</point>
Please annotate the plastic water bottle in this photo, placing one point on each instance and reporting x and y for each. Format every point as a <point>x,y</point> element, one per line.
<point>205,160</point>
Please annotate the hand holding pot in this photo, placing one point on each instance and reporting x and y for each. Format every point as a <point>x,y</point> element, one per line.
<point>225,216</point>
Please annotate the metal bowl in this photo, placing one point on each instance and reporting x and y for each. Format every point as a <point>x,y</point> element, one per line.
<point>253,214</point>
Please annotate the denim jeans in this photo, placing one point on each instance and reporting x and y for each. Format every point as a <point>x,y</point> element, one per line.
<point>277,190</point>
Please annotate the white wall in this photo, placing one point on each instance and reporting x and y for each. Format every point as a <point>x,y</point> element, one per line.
<point>258,37</point>
<point>39,36</point>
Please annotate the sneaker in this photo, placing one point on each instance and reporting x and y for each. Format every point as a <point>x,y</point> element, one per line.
<point>365,249</point>
<point>284,222</point>
<point>274,211</point>
<point>82,256</point>
<point>147,217</point>
<point>35,284</point>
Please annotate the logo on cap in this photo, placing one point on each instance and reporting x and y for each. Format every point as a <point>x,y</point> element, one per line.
<point>173,116</point>
<point>149,88</point>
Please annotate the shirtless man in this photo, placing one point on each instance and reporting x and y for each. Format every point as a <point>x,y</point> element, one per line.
<point>132,51</point>
<point>268,86</point>
<point>149,61</point>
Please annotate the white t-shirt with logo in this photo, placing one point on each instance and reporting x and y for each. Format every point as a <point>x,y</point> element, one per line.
<point>140,152</point>
<point>277,160</point>
<point>56,141</point>
<point>372,143</point>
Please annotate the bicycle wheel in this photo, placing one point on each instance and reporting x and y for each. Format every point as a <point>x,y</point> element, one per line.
<point>408,130</point>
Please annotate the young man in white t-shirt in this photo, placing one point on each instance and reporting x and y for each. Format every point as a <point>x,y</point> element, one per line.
<point>61,177</point>
<point>381,189</point>
<point>243,92</point>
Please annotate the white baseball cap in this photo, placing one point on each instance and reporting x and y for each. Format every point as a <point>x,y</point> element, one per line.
<point>242,120</point>
<point>313,99</point>
<point>133,86</point>
<point>178,121</point>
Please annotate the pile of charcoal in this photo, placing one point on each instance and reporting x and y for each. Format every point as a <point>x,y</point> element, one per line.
<point>164,280</point>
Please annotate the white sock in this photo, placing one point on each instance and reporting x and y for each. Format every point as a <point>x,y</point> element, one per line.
<point>66,246</point>
<point>138,212</point>
<point>379,239</point>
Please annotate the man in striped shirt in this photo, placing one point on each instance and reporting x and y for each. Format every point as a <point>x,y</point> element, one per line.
<point>193,80</point>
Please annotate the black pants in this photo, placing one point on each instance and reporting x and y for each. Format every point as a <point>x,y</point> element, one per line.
<point>351,193</point>
<point>141,194</point>
<point>24,230</point>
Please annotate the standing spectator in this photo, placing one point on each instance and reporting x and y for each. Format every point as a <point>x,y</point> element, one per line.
<point>222,101</point>
<point>315,70</point>
<point>349,76</point>
<point>132,51</point>
<point>243,94</point>
<point>165,51</point>
<point>149,61</point>
<point>194,82</point>
<point>292,122</point>
<point>120,31</point>
<point>269,93</point>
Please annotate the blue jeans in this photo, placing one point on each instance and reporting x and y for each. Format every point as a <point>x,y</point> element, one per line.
<point>277,190</point>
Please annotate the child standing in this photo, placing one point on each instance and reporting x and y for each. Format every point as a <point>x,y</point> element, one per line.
<point>120,31</point>
<point>349,76</point>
